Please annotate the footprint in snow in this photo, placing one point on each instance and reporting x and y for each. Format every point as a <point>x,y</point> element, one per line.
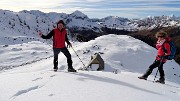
<point>37,79</point>
<point>25,91</point>
<point>51,95</point>
<point>52,75</point>
<point>172,91</point>
<point>175,92</point>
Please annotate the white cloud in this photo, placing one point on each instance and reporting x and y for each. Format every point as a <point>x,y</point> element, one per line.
<point>17,5</point>
<point>98,6</point>
<point>94,0</point>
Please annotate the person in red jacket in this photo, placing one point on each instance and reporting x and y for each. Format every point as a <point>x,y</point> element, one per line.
<point>59,35</point>
<point>163,40</point>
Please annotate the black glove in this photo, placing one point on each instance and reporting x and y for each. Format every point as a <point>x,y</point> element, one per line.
<point>165,57</point>
<point>69,45</point>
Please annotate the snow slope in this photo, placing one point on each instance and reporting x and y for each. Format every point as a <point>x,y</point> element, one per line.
<point>129,56</point>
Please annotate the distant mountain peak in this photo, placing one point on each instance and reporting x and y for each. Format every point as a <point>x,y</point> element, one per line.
<point>78,13</point>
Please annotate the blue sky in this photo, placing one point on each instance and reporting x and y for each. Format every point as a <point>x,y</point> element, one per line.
<point>98,8</point>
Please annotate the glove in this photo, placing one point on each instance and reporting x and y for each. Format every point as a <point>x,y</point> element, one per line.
<point>166,57</point>
<point>40,34</point>
<point>69,45</point>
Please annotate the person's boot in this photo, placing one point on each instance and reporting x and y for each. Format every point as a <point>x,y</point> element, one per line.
<point>55,69</point>
<point>142,77</point>
<point>161,80</point>
<point>55,65</point>
<point>70,68</point>
<point>145,76</point>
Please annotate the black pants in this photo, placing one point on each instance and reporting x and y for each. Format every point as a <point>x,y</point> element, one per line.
<point>159,64</point>
<point>66,53</point>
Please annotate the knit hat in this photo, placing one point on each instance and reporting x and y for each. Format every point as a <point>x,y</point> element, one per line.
<point>61,21</point>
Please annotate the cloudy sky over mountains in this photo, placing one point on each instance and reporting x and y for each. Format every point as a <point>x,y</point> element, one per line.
<point>98,8</point>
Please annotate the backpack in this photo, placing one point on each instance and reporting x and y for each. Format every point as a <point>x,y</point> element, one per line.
<point>172,49</point>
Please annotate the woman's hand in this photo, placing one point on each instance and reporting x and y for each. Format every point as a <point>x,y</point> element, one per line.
<point>40,34</point>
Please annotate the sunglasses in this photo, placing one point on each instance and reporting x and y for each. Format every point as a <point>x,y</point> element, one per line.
<point>160,36</point>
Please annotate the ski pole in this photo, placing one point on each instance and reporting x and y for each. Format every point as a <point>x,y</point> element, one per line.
<point>156,75</point>
<point>78,57</point>
<point>158,67</point>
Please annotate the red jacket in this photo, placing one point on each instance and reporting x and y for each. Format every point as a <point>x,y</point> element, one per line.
<point>59,37</point>
<point>161,52</point>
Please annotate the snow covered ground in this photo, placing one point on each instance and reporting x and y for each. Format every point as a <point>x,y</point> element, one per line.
<point>130,57</point>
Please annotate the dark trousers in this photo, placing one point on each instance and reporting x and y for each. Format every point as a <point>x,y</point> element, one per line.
<point>156,63</point>
<point>66,53</point>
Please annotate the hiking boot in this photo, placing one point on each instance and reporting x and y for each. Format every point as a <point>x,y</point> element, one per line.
<point>71,70</point>
<point>55,69</point>
<point>145,76</point>
<point>142,77</point>
<point>161,80</point>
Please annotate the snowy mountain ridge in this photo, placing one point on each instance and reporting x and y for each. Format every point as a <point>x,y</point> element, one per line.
<point>25,24</point>
<point>116,22</point>
<point>34,20</point>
